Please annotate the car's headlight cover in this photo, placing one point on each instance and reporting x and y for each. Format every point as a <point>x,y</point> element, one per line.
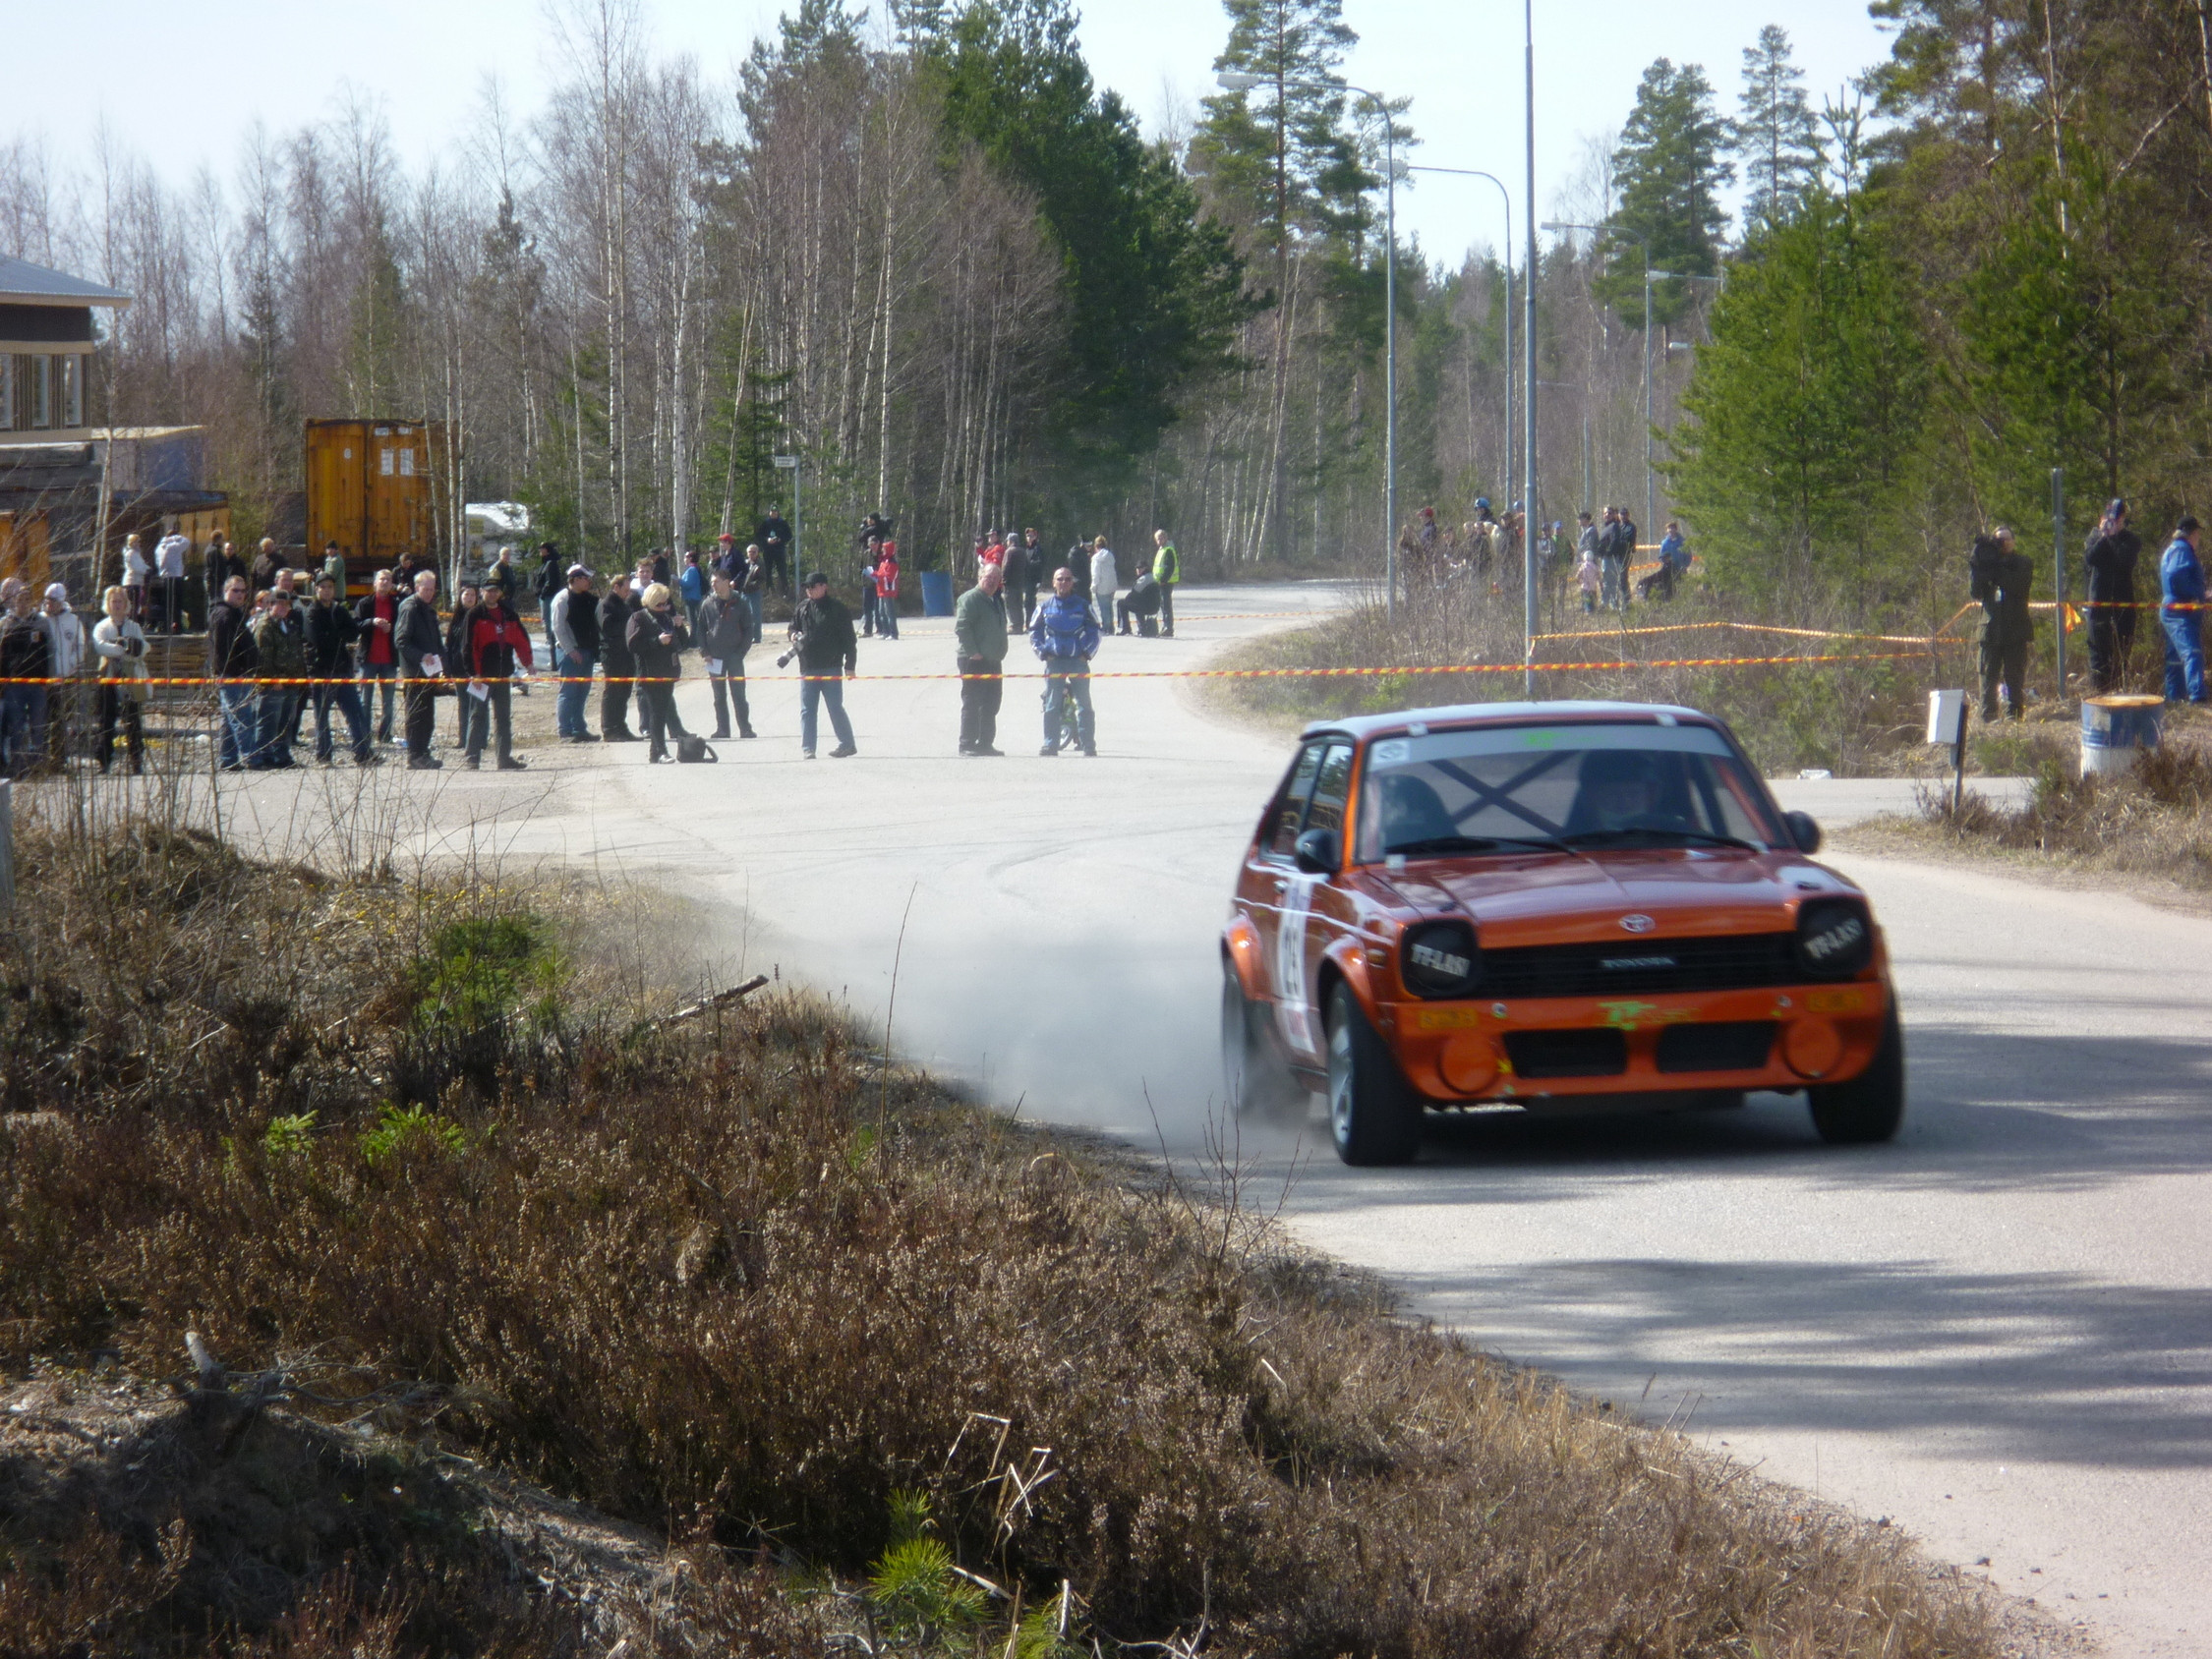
<point>1834,937</point>
<point>1440,958</point>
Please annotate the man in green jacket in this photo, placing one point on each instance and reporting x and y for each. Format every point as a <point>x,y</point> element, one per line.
<point>1167,571</point>
<point>979,639</point>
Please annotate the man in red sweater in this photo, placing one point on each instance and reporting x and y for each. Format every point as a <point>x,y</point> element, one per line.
<point>496,642</point>
<point>378,613</point>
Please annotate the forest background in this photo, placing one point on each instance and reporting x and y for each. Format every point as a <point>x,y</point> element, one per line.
<point>929,255</point>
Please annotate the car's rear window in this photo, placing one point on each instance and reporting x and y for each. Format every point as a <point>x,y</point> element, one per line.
<point>1585,784</point>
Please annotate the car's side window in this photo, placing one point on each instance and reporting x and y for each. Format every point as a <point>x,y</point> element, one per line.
<point>1331,786</point>
<point>1288,810</point>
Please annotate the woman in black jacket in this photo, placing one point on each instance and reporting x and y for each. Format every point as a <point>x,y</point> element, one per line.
<point>655,634</point>
<point>471,708</point>
<point>615,657</point>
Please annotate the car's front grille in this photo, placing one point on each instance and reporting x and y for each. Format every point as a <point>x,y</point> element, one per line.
<point>1730,1046</point>
<point>1598,1051</point>
<point>1641,966</point>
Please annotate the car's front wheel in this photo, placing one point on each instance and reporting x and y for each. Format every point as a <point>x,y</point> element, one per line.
<point>1253,1078</point>
<point>1871,1105</point>
<point>1375,1116</point>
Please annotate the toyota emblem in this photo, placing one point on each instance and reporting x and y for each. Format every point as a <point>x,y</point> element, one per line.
<point>1639,923</point>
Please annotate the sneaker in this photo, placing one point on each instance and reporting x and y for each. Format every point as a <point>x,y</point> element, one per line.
<point>721,736</point>
<point>744,732</point>
<point>967,748</point>
<point>622,737</point>
<point>984,749</point>
<point>806,753</point>
<point>424,763</point>
<point>1092,752</point>
<point>369,758</point>
<point>1049,750</point>
<point>475,763</point>
<point>512,764</point>
<point>842,750</point>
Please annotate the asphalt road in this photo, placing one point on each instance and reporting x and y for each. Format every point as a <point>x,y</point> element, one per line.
<point>1996,1332</point>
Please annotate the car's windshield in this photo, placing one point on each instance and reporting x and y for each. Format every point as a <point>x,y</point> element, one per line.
<point>1572,786</point>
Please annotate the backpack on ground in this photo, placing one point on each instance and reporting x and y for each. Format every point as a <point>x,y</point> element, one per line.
<point>1148,627</point>
<point>692,750</point>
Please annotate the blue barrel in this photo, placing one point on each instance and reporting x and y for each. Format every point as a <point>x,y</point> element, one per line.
<point>937,593</point>
<point>2115,730</point>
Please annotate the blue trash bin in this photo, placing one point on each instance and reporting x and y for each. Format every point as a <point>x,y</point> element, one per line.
<point>937,593</point>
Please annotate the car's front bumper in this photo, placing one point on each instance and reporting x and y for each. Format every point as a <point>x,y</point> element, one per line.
<point>1568,1048</point>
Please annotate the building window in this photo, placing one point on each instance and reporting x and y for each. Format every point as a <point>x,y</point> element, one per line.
<point>73,389</point>
<point>7,393</point>
<point>41,391</point>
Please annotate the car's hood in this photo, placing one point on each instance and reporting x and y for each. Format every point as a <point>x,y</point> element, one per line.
<point>1551,899</point>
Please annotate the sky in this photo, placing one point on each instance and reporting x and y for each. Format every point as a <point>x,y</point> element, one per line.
<point>181,83</point>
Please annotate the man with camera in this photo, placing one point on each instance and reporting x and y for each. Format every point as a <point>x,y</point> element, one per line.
<point>828,653</point>
<point>2000,578</point>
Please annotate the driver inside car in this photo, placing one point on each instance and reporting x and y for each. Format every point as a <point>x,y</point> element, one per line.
<point>1412,812</point>
<point>1622,789</point>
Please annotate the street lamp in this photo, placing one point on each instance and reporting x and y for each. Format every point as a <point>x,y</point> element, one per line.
<point>1238,81</point>
<point>1651,486</point>
<point>1477,173</point>
<point>1529,375</point>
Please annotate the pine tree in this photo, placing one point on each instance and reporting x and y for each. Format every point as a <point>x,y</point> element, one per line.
<point>1278,158</point>
<point>1668,169</point>
<point>1777,134</point>
<point>1808,406</point>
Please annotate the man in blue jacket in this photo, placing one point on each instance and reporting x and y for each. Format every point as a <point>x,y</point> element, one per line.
<point>2180,587</point>
<point>1066,637</point>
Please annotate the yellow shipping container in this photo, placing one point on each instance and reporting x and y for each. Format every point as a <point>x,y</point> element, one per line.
<point>380,489</point>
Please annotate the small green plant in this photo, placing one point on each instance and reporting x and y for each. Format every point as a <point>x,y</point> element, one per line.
<point>396,1128</point>
<point>289,1135</point>
<point>915,1588</point>
<point>1046,1630</point>
<point>478,970</point>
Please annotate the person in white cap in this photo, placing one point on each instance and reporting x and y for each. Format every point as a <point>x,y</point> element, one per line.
<point>67,632</point>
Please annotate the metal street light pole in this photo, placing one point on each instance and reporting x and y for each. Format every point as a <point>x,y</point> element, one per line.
<point>1651,486</point>
<point>1529,378</point>
<point>1238,81</point>
<point>1503,196</point>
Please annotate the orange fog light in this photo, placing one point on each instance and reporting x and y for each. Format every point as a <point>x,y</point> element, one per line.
<point>1812,1046</point>
<point>1468,1063</point>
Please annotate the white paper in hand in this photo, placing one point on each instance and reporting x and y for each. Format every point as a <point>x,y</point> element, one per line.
<point>480,691</point>
<point>714,664</point>
<point>434,665</point>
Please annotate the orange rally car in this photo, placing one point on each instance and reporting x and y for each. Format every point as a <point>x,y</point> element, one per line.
<point>1549,906</point>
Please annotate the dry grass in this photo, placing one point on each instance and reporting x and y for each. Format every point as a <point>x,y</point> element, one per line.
<point>2154,822</point>
<point>742,1285</point>
<point>1862,718</point>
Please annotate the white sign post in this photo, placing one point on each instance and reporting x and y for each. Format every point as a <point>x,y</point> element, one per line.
<point>789,464</point>
<point>1947,723</point>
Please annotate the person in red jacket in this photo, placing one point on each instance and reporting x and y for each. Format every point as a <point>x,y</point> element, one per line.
<point>497,642</point>
<point>886,591</point>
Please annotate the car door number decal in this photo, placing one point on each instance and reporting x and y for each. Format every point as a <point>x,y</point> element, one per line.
<point>1292,1005</point>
